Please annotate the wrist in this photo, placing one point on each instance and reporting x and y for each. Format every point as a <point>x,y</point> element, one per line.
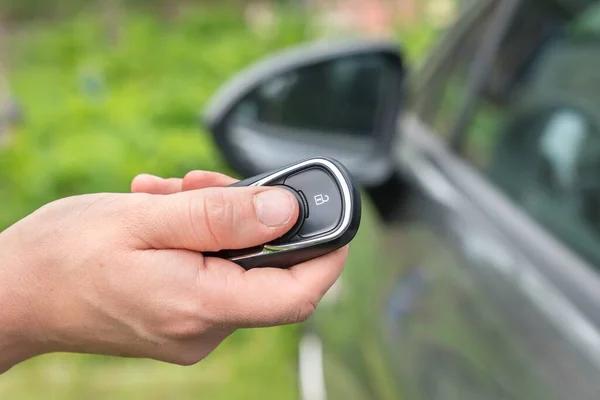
<point>19,326</point>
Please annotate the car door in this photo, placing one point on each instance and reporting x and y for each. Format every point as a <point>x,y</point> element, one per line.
<point>485,283</point>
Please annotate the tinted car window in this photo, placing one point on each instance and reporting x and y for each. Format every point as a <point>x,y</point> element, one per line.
<point>341,96</point>
<point>536,129</point>
<point>441,97</point>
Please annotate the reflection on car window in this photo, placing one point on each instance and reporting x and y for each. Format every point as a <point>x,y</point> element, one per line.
<point>561,144</point>
<point>444,93</point>
<point>341,96</point>
<point>536,129</point>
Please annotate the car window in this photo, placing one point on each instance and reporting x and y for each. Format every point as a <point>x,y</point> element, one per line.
<point>535,131</point>
<point>442,94</point>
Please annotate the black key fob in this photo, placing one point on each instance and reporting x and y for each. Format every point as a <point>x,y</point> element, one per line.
<point>329,214</point>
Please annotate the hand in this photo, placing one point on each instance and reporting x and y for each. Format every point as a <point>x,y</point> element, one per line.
<point>123,274</point>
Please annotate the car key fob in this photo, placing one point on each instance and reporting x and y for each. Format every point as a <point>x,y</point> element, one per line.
<point>328,218</point>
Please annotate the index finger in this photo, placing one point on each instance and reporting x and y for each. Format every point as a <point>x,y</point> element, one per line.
<point>194,180</point>
<point>152,184</point>
<point>203,179</point>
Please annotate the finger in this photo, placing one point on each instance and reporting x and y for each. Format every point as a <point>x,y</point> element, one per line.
<point>213,219</point>
<point>155,185</point>
<point>320,280</point>
<point>193,180</point>
<point>204,179</point>
<point>269,296</point>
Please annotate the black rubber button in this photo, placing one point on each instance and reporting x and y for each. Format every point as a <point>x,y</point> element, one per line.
<point>301,217</point>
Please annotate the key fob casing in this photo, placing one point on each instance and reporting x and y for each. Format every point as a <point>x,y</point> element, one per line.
<point>329,214</point>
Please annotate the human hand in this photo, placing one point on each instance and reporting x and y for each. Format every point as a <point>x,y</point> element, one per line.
<point>123,274</point>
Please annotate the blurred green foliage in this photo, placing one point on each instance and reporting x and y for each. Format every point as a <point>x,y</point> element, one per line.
<point>252,364</point>
<point>96,112</point>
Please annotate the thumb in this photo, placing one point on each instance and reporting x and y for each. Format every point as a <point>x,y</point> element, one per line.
<point>214,219</point>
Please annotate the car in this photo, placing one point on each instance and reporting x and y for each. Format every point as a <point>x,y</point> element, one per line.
<point>476,271</point>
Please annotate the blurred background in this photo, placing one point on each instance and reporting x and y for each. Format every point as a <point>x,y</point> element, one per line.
<point>94,92</point>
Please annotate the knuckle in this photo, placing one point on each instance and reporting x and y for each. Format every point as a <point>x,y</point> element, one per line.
<point>305,311</point>
<point>182,325</point>
<point>182,330</point>
<point>218,217</point>
<point>304,308</point>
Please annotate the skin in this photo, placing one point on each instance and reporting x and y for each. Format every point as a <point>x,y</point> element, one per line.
<point>124,274</point>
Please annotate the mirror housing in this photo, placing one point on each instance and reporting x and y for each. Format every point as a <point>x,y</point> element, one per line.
<point>329,99</point>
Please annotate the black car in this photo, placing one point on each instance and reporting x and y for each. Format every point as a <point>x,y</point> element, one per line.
<point>476,272</point>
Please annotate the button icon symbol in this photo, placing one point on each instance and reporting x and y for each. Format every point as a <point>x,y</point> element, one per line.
<point>321,199</point>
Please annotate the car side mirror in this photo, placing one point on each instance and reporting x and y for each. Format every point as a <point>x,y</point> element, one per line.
<point>332,99</point>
